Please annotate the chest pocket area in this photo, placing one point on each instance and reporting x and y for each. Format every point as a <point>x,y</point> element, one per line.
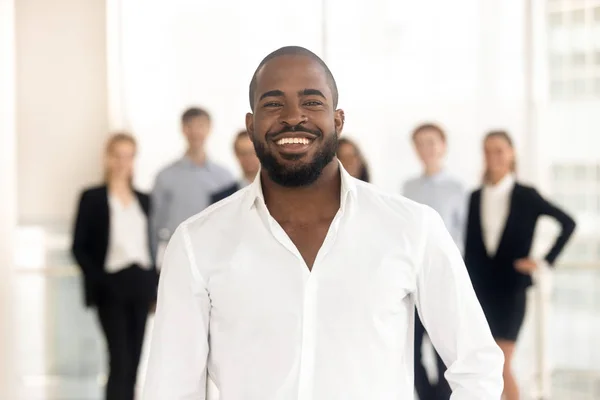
<point>392,285</point>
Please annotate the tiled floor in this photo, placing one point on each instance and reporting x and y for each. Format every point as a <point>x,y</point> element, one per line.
<point>60,354</point>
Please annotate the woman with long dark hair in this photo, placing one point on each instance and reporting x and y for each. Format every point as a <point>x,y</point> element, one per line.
<point>502,217</point>
<point>352,159</point>
<point>111,246</point>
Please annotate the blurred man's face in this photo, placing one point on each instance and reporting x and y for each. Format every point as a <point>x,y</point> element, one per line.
<point>294,126</point>
<point>196,130</point>
<point>244,151</point>
<point>430,147</point>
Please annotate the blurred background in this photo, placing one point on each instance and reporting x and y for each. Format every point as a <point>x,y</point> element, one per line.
<point>72,72</point>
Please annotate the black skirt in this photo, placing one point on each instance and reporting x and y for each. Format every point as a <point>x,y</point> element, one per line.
<point>505,312</point>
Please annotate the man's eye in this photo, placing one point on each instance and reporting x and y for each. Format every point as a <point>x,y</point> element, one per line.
<point>313,103</point>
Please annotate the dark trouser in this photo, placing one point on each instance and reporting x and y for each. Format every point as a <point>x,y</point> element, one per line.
<point>425,389</point>
<point>123,311</point>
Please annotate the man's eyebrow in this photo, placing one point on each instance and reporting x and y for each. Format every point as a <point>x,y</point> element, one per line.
<point>311,92</point>
<point>271,93</point>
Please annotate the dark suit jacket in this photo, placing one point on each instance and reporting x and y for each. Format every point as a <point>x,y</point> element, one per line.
<point>498,271</point>
<point>228,191</point>
<point>91,236</point>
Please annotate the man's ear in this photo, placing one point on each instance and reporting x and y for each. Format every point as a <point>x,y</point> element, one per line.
<point>250,125</point>
<point>339,118</point>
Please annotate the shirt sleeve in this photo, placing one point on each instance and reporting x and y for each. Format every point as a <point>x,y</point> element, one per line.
<point>459,219</point>
<point>177,365</point>
<point>544,207</point>
<point>453,318</point>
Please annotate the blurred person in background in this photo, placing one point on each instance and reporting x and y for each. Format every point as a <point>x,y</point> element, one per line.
<point>185,187</point>
<point>436,188</point>
<point>352,159</point>
<point>246,156</point>
<point>111,246</point>
<point>501,221</point>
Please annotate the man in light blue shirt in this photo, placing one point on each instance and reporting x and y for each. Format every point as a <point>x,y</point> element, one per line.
<point>437,189</point>
<point>185,187</point>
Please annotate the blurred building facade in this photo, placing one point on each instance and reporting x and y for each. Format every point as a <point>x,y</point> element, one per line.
<point>570,121</point>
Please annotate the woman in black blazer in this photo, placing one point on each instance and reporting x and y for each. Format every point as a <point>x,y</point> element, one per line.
<point>111,247</point>
<point>500,230</point>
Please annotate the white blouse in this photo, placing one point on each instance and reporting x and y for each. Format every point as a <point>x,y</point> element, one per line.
<point>495,206</point>
<point>128,237</point>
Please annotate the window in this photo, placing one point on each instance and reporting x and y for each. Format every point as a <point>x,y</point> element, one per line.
<point>577,251</point>
<point>557,61</point>
<point>576,187</point>
<point>597,87</point>
<point>558,172</point>
<point>557,89</point>
<point>578,203</point>
<point>597,14</point>
<point>577,17</point>
<point>555,19</point>
<point>580,173</point>
<point>578,87</point>
<point>578,59</point>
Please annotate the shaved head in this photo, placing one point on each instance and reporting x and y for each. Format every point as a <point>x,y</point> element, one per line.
<point>294,51</point>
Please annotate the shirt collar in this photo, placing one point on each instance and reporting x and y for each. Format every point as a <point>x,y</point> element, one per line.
<point>438,176</point>
<point>348,189</point>
<point>243,182</point>
<point>504,185</point>
<point>186,161</point>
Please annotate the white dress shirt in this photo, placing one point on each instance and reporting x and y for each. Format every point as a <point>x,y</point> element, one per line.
<point>495,206</point>
<point>128,238</point>
<point>237,301</point>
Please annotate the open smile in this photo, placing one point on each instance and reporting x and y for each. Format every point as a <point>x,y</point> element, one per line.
<point>294,144</point>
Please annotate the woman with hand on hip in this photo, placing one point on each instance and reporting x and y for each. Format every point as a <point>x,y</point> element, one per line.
<point>502,217</point>
<point>111,246</point>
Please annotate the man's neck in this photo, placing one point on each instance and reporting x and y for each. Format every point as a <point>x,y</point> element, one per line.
<point>198,156</point>
<point>431,170</point>
<point>302,205</point>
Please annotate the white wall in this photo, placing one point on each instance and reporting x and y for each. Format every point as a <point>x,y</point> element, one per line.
<point>8,210</point>
<point>61,103</point>
<point>397,64</point>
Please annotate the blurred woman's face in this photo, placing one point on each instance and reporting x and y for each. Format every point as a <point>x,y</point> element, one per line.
<point>350,159</point>
<point>499,157</point>
<point>120,160</point>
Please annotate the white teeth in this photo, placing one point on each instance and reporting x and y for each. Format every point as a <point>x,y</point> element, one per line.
<point>293,141</point>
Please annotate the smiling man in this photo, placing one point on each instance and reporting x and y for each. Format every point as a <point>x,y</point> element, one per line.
<point>303,284</point>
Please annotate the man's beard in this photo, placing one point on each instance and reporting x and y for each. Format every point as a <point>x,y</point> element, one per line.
<point>302,174</point>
